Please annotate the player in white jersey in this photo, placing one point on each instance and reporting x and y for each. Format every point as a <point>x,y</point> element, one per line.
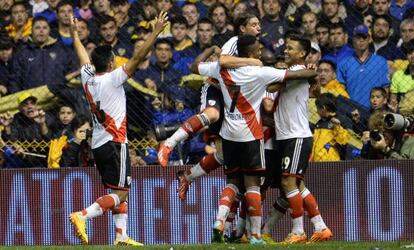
<point>242,131</point>
<point>294,145</point>
<point>210,114</point>
<point>104,91</point>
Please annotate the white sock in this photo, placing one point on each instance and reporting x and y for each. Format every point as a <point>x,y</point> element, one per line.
<point>222,213</point>
<point>178,136</point>
<point>241,227</point>
<point>248,227</point>
<point>274,216</point>
<point>120,221</point>
<point>255,223</point>
<point>318,223</point>
<point>195,172</point>
<point>92,211</point>
<point>297,225</point>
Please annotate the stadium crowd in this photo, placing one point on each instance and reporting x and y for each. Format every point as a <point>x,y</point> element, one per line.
<point>364,51</point>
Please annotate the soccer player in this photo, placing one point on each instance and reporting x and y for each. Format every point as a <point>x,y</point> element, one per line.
<point>294,145</point>
<point>106,96</point>
<point>242,131</point>
<point>210,113</point>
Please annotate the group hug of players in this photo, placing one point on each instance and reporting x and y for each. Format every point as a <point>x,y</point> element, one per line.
<point>239,90</point>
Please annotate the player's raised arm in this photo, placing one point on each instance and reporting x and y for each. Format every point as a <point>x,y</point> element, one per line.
<point>79,48</point>
<point>203,57</point>
<point>160,24</point>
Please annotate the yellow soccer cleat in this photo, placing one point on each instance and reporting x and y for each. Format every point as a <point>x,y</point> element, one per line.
<point>323,235</point>
<point>128,242</point>
<point>294,238</point>
<point>80,227</point>
<point>268,239</point>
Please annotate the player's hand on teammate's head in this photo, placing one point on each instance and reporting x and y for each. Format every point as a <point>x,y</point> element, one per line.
<point>161,22</point>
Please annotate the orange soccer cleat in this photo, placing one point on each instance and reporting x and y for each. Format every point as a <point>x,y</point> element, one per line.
<point>163,154</point>
<point>80,226</point>
<point>294,238</point>
<point>183,185</point>
<point>323,235</point>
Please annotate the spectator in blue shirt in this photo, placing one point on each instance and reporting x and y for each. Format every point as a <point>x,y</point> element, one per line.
<point>399,7</point>
<point>339,44</point>
<point>363,70</point>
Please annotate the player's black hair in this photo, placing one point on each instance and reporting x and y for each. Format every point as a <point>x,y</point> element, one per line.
<point>326,100</point>
<point>101,57</point>
<point>244,44</point>
<point>304,43</point>
<point>242,20</point>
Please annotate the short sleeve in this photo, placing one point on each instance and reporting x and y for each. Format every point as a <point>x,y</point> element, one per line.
<point>210,69</point>
<point>87,72</point>
<point>119,76</point>
<point>271,75</point>
<point>230,47</point>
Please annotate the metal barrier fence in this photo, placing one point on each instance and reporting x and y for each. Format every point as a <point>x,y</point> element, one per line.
<point>359,201</point>
<point>386,35</point>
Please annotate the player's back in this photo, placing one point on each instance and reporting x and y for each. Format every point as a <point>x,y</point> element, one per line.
<point>106,97</point>
<point>243,89</point>
<point>291,115</point>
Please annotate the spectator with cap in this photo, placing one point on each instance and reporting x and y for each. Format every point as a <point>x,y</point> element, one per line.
<point>20,27</point>
<point>6,71</point>
<point>43,60</point>
<point>339,44</point>
<point>363,70</point>
<point>381,39</point>
<point>315,54</point>
<point>29,124</point>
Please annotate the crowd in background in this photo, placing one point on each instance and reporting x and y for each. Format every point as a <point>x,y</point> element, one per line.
<point>364,51</point>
